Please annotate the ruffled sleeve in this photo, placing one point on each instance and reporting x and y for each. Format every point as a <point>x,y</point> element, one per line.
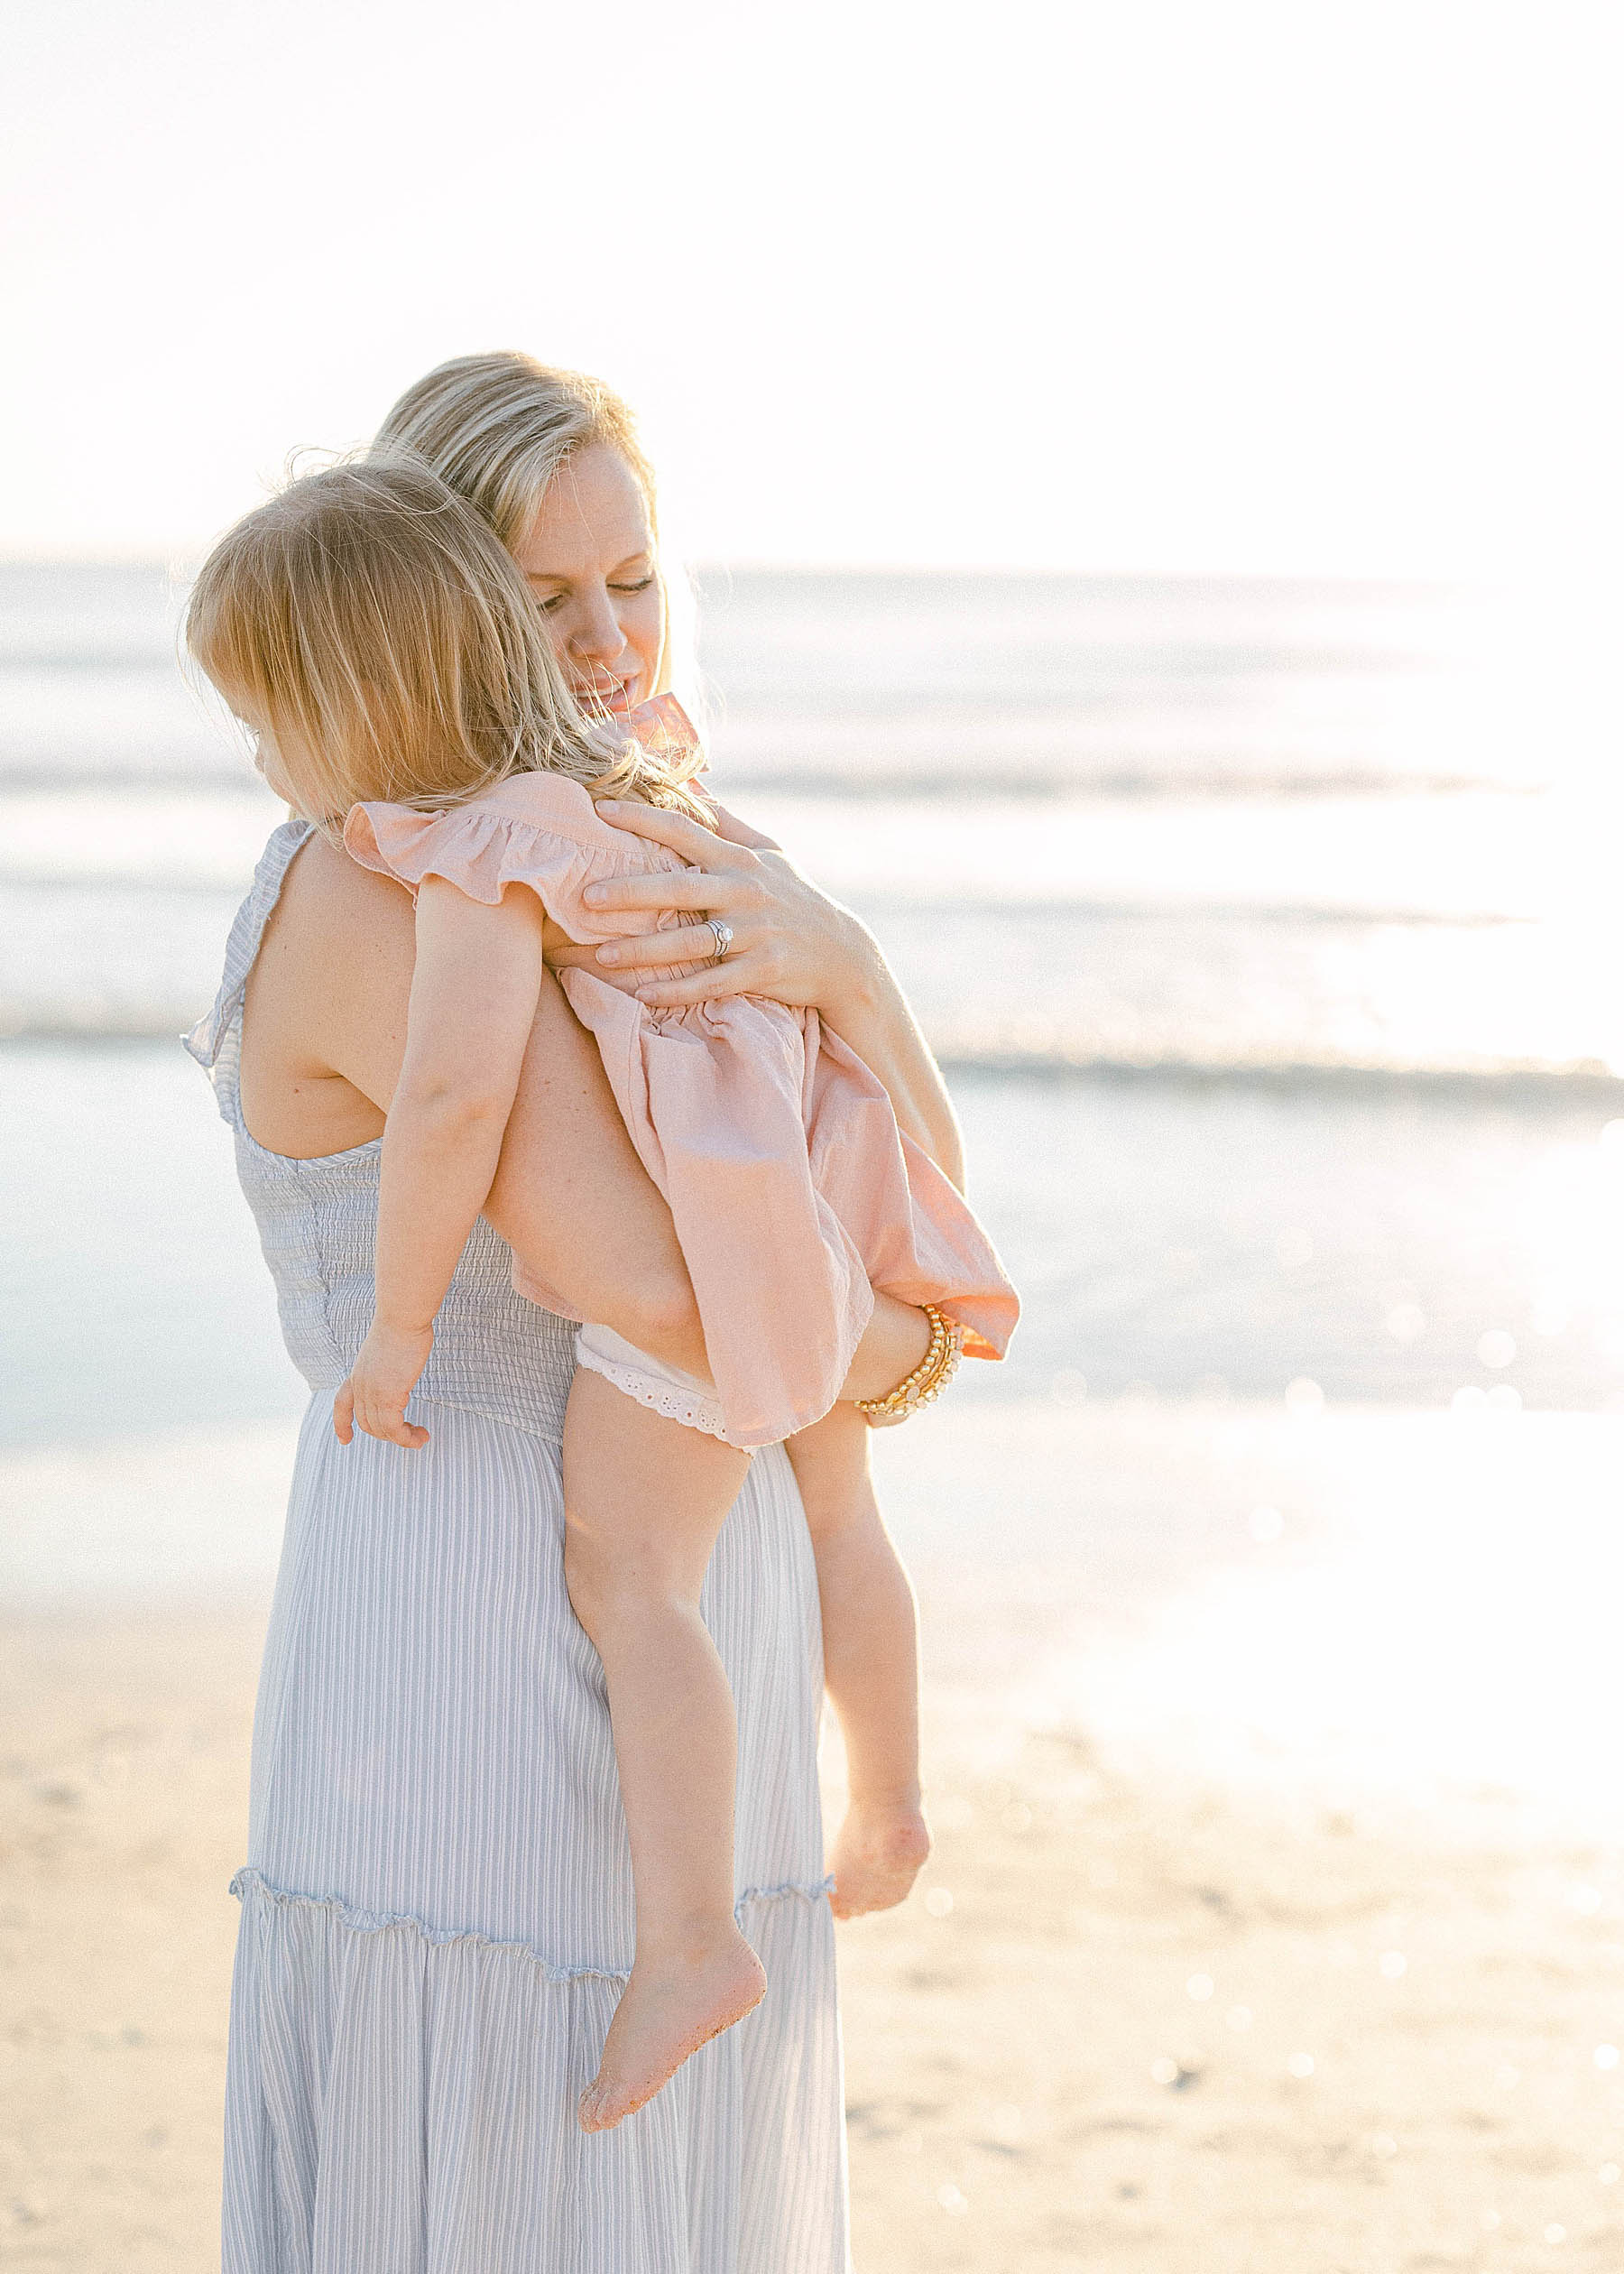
<point>538,830</point>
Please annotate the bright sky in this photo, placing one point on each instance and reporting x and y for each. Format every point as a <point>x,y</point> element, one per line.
<point>1109,284</point>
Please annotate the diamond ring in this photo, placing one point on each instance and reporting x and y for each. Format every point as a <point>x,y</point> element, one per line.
<point>722,935</point>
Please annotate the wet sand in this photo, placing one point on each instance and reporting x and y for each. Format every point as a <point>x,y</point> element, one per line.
<point>1124,2021</point>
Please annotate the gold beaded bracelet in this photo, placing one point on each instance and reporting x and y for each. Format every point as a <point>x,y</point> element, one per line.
<point>928,1379</point>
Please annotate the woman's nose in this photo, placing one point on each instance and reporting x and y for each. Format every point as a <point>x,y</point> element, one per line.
<point>597,637</point>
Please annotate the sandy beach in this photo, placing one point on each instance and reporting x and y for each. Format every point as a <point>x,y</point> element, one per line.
<point>1136,493</point>
<point>1134,2015</point>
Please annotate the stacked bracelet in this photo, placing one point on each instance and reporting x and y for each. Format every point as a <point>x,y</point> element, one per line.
<point>928,1379</point>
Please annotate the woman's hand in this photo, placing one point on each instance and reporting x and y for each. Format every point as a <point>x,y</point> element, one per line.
<point>383,1377</point>
<point>790,942</point>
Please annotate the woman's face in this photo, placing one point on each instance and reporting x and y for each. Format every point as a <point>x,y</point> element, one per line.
<point>588,558</point>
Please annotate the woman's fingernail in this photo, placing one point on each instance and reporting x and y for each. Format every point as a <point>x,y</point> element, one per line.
<point>608,955</point>
<point>593,894</point>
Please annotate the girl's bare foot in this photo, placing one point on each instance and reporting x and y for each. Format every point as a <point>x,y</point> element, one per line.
<point>672,2005</point>
<point>879,1853</point>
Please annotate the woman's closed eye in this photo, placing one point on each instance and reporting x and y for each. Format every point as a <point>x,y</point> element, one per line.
<point>549,602</point>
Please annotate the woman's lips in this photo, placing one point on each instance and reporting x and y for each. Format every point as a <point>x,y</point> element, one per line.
<point>616,697</point>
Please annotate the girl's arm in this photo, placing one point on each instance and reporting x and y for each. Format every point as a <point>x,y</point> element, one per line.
<point>474,991</point>
<point>791,942</point>
<point>570,1195</point>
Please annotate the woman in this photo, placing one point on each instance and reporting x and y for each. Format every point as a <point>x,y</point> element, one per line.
<point>551,458</point>
<point>437,1911</point>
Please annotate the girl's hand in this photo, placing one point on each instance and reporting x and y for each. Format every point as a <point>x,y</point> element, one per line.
<point>382,1379</point>
<point>790,942</point>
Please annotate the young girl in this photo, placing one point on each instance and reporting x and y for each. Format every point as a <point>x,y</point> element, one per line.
<point>376,637</point>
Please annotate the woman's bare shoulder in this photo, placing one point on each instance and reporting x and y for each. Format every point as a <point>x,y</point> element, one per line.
<point>344,921</point>
<point>331,900</point>
<point>328,996</point>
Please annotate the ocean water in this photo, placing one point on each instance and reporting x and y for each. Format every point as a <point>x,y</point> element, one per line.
<point>1099,824</point>
<point>1266,931</point>
<point>1269,936</point>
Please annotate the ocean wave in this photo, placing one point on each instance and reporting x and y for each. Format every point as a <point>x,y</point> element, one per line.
<point>16,878</point>
<point>96,1022</point>
<point>867,780</point>
<point>998,780</point>
<point>72,652</point>
<point>1584,1081</point>
<point>213,771</point>
<point>1115,984</point>
<point>880,908</point>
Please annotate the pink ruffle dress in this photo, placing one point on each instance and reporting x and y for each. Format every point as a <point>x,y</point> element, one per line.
<point>793,1192</point>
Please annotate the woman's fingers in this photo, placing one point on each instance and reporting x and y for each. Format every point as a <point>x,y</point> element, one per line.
<point>790,942</point>
<point>688,943</point>
<point>736,832</point>
<point>688,837</point>
<point>344,1413</point>
<point>673,888</point>
<point>690,840</point>
<point>736,975</point>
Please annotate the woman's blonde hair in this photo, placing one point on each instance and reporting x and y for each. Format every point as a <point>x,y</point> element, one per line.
<point>499,427</point>
<point>369,609</point>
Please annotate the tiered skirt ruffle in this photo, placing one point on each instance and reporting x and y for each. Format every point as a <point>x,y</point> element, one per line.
<point>402,2100</point>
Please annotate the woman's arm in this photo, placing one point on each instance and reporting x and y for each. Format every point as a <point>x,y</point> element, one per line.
<point>474,985</point>
<point>790,942</point>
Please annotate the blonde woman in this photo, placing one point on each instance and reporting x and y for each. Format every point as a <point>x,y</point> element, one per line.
<point>436,1909</point>
<point>370,629</point>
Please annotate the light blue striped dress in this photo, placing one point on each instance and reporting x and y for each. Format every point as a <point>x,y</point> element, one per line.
<point>436,1901</point>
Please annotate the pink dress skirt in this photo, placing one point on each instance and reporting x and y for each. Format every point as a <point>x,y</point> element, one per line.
<point>794,1194</point>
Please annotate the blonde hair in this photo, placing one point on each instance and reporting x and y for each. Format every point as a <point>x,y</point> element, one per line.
<point>498,426</point>
<point>369,609</point>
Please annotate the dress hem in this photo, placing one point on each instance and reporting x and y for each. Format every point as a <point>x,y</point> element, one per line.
<point>249,1883</point>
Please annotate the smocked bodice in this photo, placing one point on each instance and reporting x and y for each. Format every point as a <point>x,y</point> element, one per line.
<point>493,1352</point>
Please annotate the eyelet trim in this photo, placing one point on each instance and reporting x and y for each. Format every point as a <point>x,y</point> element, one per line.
<point>667,1398</point>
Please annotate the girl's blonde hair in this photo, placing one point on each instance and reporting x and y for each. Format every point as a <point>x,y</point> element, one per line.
<point>369,609</point>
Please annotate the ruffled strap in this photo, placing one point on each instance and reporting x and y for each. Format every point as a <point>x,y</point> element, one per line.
<point>535,829</point>
<point>216,1040</point>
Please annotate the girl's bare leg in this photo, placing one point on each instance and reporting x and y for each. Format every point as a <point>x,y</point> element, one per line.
<point>572,1200</point>
<point>870,1665</point>
<point>643,1501</point>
